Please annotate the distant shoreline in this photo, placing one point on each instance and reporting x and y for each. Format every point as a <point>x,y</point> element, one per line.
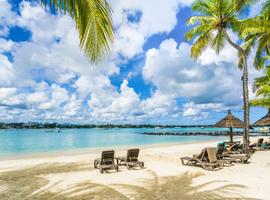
<point>37,125</point>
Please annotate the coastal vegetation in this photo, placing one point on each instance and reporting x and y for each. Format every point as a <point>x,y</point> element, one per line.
<point>37,125</point>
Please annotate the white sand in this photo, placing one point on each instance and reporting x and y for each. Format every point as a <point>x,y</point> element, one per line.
<point>162,161</point>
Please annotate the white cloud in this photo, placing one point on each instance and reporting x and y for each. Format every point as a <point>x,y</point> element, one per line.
<point>6,17</point>
<point>213,81</point>
<point>130,36</point>
<point>200,111</point>
<point>6,71</point>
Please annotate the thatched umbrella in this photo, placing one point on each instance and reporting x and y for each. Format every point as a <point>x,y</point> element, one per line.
<point>264,121</point>
<point>230,122</point>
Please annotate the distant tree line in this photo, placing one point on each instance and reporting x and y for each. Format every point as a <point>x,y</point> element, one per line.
<point>37,125</point>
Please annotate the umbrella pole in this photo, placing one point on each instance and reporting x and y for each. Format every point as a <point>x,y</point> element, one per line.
<point>231,135</point>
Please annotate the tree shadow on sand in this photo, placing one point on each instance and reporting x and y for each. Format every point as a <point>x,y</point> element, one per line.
<point>27,184</point>
<point>181,188</point>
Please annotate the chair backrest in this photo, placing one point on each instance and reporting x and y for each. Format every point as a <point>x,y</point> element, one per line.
<point>107,157</point>
<point>260,141</point>
<point>220,150</point>
<point>221,144</point>
<point>203,155</point>
<point>212,154</point>
<point>132,155</point>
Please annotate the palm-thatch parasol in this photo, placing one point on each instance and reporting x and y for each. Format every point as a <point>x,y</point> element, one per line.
<point>230,122</point>
<point>264,121</point>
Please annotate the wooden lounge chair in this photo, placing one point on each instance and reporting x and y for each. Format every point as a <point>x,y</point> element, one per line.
<point>257,146</point>
<point>212,157</point>
<point>231,157</point>
<point>131,160</point>
<point>203,159</point>
<point>106,161</point>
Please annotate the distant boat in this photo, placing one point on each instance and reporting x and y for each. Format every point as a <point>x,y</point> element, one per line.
<point>10,129</point>
<point>202,127</point>
<point>56,130</point>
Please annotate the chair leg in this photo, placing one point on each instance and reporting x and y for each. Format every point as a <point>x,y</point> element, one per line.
<point>96,164</point>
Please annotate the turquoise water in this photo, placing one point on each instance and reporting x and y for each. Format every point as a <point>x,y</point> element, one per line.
<point>23,141</point>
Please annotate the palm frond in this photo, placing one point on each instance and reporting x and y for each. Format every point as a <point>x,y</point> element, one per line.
<point>266,9</point>
<point>260,58</point>
<point>199,19</point>
<point>218,41</point>
<point>201,43</point>
<point>203,7</point>
<point>196,31</point>
<point>254,26</point>
<point>239,5</point>
<point>93,21</point>
<point>263,102</point>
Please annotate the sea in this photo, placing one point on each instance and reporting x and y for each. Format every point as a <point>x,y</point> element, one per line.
<point>28,141</point>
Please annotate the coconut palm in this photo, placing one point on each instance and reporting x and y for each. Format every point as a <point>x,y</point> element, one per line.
<point>211,29</point>
<point>93,22</point>
<point>256,35</point>
<point>262,88</point>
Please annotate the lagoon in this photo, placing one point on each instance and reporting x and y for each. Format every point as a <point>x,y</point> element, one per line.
<point>27,141</point>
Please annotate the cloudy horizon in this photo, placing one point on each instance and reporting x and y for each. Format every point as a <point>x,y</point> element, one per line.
<point>149,77</point>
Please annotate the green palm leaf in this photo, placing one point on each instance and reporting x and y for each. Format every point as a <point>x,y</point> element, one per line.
<point>93,21</point>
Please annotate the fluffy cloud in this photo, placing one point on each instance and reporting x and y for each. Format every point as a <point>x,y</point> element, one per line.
<point>211,83</point>
<point>171,69</point>
<point>201,111</point>
<point>132,34</point>
<point>6,17</point>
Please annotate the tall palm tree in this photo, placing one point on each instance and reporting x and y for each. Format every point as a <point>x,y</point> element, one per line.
<point>93,22</point>
<point>211,27</point>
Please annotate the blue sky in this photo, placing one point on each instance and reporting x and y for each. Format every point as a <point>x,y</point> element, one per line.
<point>148,78</point>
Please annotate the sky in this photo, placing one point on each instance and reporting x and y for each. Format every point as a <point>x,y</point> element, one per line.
<point>149,77</point>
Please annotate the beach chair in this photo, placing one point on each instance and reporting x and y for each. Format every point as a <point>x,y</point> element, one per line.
<point>106,161</point>
<point>257,146</point>
<point>131,160</point>
<point>235,157</point>
<point>203,160</point>
<point>212,157</point>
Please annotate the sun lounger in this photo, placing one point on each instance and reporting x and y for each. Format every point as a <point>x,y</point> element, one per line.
<point>106,161</point>
<point>206,159</point>
<point>131,160</point>
<point>258,146</point>
<point>233,157</point>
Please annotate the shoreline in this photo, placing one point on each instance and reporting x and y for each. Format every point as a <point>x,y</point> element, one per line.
<point>59,173</point>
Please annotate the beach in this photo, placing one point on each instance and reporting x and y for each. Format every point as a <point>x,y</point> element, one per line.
<point>63,174</point>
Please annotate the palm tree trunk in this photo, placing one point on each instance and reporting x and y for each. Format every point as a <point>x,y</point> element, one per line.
<point>245,89</point>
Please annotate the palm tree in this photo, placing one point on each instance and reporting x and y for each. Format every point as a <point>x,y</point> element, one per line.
<point>93,22</point>
<point>255,33</point>
<point>262,88</point>
<point>211,26</point>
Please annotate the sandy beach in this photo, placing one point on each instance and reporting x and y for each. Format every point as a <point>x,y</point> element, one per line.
<point>63,174</point>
